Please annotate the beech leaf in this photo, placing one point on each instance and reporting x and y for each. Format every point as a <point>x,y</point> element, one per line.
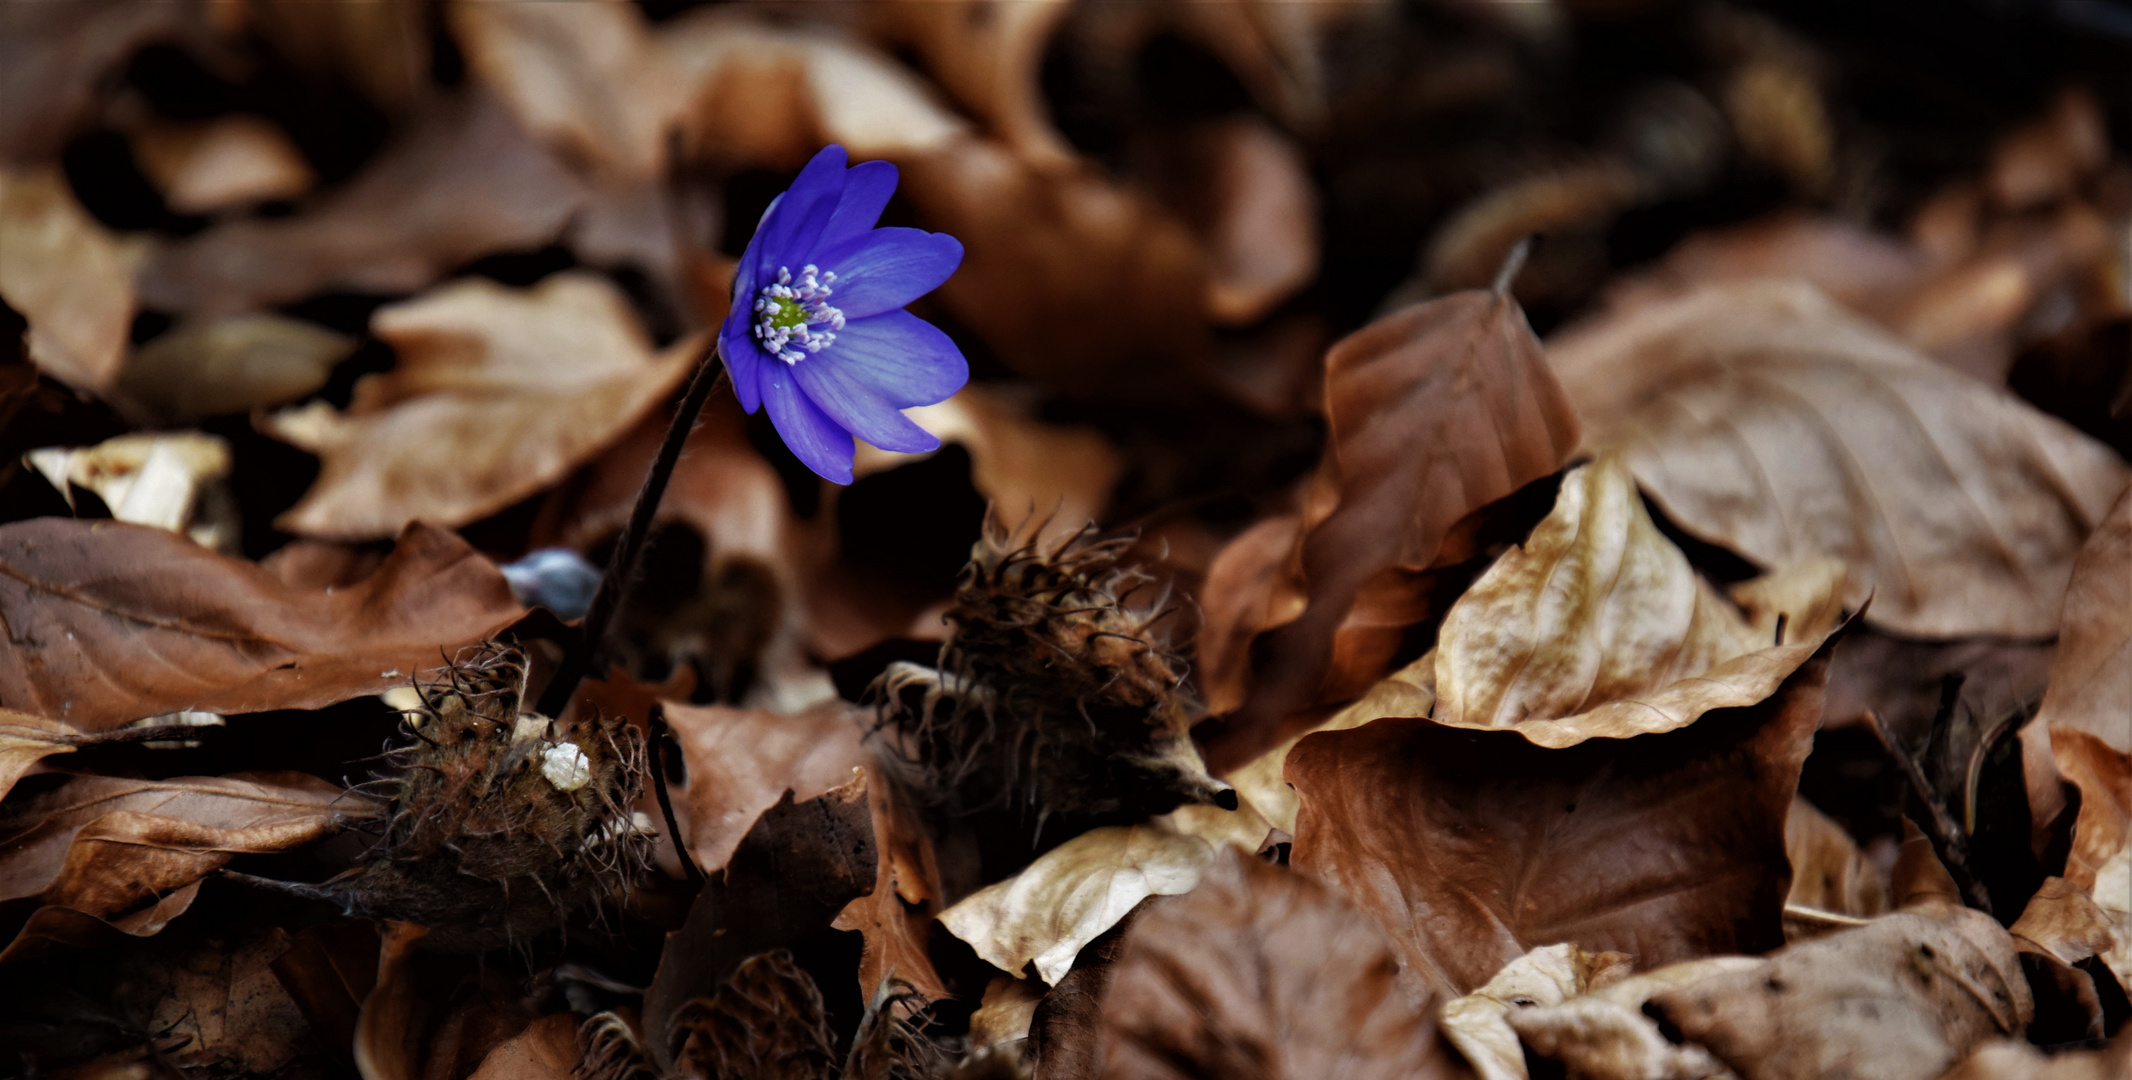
<point>742,761</point>
<point>1762,417</point>
<point>130,622</point>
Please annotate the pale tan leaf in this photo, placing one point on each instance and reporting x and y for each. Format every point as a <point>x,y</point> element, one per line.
<point>545,1051</point>
<point>2091,673</point>
<point>26,740</point>
<point>167,480</point>
<point>1597,625</point>
<point>1074,892</point>
<point>498,393</point>
<point>1761,416</point>
<point>1828,872</point>
<point>1605,1034</point>
<point>224,163</point>
<point>230,365</point>
<point>1478,1024</point>
<point>67,275</point>
<point>2018,1059</point>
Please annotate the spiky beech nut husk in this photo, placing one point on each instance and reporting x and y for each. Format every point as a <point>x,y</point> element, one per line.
<point>502,823</point>
<point>609,1049</point>
<point>1054,693</point>
<point>898,1039</point>
<point>766,1022</point>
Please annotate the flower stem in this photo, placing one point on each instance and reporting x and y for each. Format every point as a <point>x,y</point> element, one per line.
<point>589,654</point>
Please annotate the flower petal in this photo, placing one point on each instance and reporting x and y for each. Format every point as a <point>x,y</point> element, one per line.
<point>888,268</point>
<point>744,360</point>
<point>902,358</point>
<point>794,222</point>
<point>814,438</point>
<point>867,188</point>
<point>861,411</point>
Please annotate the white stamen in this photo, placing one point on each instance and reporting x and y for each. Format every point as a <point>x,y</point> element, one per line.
<point>810,295</point>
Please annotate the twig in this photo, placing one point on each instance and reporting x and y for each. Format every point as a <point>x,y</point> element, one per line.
<point>589,652</point>
<point>1949,842</point>
<point>666,803</point>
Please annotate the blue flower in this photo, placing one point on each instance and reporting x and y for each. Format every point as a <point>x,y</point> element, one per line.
<point>818,332</point>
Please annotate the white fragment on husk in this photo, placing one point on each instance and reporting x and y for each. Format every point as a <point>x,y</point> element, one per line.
<point>566,766</point>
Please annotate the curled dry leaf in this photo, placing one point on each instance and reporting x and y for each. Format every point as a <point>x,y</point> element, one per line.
<point>67,275</point>
<point>2100,862</point>
<point>583,76</point>
<point>168,480</point>
<point>742,761</point>
<point>121,622</point>
<point>463,182</point>
<point>1828,872</point>
<point>132,852</point>
<point>1479,1026</point>
<point>1410,691</point>
<point>1073,893</point>
<point>1435,411</point>
<point>1022,466</point>
<point>1904,997</point>
<point>1597,627</point>
<point>1763,417</point>
<point>1472,847</point>
<point>499,392</point>
<point>26,740</point>
<point>984,52</point>
<point>224,163</point>
<point>1263,973</point>
<point>1605,1035</point>
<point>230,365</point>
<point>896,918</point>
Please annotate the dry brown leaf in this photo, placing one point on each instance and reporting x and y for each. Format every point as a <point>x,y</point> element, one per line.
<point>742,761</point>
<point>545,1051</point>
<point>225,999</point>
<point>1244,188</point>
<point>224,163</point>
<point>2100,862</point>
<point>1243,586</point>
<point>1262,973</point>
<point>55,59</point>
<point>1828,872</point>
<point>1472,847</point>
<point>499,392</point>
<point>1047,243</point>
<point>770,96</point>
<point>1763,417</point>
<point>1605,1034</point>
<point>125,622</point>
<point>984,52</point>
<point>1022,466</point>
<point>583,76</point>
<point>1597,627</point>
<point>1071,894</point>
<point>1478,1024</point>
<point>1904,997</point>
<point>896,918</point>
<point>382,47</point>
<point>2048,158</point>
<point>463,182</point>
<point>1261,785</point>
<point>1863,270</point>
<point>67,275</point>
<point>2091,674</point>
<point>132,852</point>
<point>383,1047</point>
<point>1435,411</point>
